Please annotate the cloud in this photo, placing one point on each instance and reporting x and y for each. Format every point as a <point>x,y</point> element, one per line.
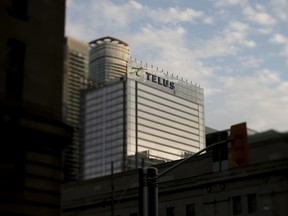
<point>169,48</point>
<point>90,20</point>
<point>136,5</point>
<point>258,15</point>
<point>249,43</point>
<point>164,37</point>
<point>174,15</point>
<point>226,3</point>
<point>280,8</point>
<point>279,39</point>
<point>256,99</point>
<point>250,61</point>
<point>209,20</point>
<point>265,31</point>
<point>171,52</point>
<point>228,42</point>
<point>117,18</point>
<point>113,15</point>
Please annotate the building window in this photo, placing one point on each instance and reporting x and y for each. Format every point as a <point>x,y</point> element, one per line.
<point>236,202</point>
<point>15,69</point>
<point>251,202</point>
<point>190,210</point>
<point>19,9</point>
<point>170,211</point>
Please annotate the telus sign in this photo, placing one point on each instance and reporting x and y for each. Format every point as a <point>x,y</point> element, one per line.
<point>160,81</point>
<point>156,79</point>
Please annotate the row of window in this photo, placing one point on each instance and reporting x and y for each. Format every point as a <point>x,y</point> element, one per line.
<point>108,135</point>
<point>91,140</point>
<point>98,162</point>
<point>101,100</point>
<point>112,91</point>
<point>237,209</point>
<point>111,51</point>
<point>96,117</point>
<point>155,142</point>
<point>96,136</point>
<point>145,90</point>
<point>164,134</point>
<point>167,125</point>
<point>170,114</point>
<point>96,157</point>
<point>100,116</point>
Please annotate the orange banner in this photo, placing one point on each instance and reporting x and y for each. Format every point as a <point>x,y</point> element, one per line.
<point>239,141</point>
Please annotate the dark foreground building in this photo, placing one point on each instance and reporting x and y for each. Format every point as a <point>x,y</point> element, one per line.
<point>32,133</point>
<point>192,189</point>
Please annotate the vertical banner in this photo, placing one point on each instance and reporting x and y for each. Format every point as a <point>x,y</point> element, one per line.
<point>239,145</point>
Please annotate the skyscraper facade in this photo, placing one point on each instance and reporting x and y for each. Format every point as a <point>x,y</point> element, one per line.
<point>143,117</point>
<point>75,74</point>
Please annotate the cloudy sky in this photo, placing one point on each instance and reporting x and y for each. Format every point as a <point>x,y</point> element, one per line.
<point>237,50</point>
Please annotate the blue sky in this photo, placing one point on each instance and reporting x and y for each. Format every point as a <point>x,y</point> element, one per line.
<point>237,50</point>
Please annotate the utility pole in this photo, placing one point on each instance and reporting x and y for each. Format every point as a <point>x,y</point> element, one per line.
<point>112,189</point>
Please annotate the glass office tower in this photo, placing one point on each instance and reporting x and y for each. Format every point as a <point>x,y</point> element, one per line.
<point>108,59</point>
<point>144,117</point>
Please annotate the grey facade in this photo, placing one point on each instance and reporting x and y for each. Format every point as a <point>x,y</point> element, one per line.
<point>259,188</point>
<point>76,59</point>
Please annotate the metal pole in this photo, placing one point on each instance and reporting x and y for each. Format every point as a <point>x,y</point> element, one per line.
<point>112,189</point>
<point>148,191</point>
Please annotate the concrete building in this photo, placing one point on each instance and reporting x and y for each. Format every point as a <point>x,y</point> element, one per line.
<point>27,70</point>
<point>32,132</point>
<point>259,188</point>
<point>76,59</point>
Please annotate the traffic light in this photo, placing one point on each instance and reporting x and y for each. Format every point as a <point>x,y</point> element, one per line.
<point>239,145</point>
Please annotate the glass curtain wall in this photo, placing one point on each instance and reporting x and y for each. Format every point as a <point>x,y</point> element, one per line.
<point>161,127</point>
<point>104,130</point>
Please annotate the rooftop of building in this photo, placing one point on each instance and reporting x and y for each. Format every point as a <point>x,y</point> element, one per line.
<point>107,39</point>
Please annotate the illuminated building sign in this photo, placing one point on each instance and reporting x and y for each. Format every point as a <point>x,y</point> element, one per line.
<point>155,79</point>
